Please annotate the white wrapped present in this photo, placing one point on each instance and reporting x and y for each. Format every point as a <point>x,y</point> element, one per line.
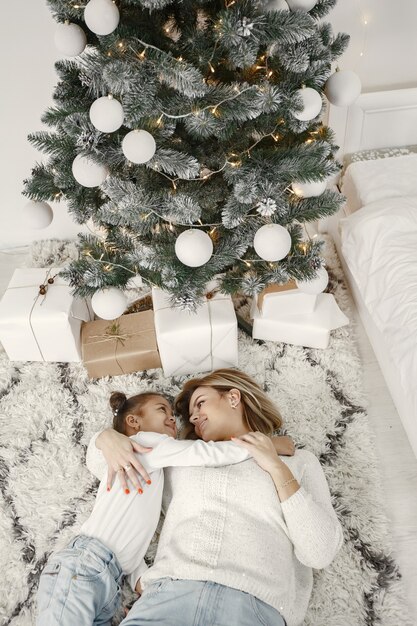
<point>41,327</point>
<point>282,300</point>
<point>311,330</point>
<point>195,342</point>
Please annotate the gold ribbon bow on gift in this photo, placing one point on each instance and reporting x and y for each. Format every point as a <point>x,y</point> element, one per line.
<point>113,332</point>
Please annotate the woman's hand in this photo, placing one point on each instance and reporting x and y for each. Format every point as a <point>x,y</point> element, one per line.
<point>119,452</point>
<point>261,448</point>
<point>283,445</point>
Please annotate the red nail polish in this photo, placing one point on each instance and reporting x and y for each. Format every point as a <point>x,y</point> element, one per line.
<point>127,491</point>
<point>148,482</point>
<point>108,488</point>
<point>140,490</point>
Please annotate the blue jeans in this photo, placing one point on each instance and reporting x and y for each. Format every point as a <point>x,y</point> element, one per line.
<point>79,585</point>
<point>169,602</point>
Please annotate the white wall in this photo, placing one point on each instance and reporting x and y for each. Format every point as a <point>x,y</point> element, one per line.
<point>27,54</point>
<point>27,57</point>
<point>388,41</point>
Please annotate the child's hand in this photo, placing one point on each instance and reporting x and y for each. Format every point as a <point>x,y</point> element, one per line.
<point>119,452</point>
<point>284,445</point>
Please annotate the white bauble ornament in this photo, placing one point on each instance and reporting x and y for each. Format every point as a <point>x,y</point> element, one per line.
<point>193,247</point>
<point>301,5</point>
<point>343,88</point>
<point>101,16</point>
<point>315,286</point>
<point>277,5</point>
<point>87,172</point>
<point>272,242</point>
<point>109,303</point>
<point>106,114</point>
<point>309,190</point>
<point>37,214</point>
<point>139,146</point>
<point>312,104</point>
<point>70,39</point>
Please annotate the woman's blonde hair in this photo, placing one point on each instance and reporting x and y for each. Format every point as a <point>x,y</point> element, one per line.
<point>259,411</point>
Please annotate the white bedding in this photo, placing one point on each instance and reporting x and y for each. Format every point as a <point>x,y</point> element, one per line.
<point>379,243</point>
<point>367,181</point>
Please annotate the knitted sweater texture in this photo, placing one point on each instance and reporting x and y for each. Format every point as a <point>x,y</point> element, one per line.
<point>227,525</point>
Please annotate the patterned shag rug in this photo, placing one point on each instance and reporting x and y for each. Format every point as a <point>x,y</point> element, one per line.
<point>49,411</point>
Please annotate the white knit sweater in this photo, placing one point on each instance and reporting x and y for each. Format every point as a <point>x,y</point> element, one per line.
<point>227,525</point>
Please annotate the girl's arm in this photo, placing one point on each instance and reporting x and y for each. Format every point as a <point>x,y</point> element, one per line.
<point>169,452</point>
<point>111,450</point>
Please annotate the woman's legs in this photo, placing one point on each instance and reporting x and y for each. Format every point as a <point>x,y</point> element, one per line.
<point>197,603</point>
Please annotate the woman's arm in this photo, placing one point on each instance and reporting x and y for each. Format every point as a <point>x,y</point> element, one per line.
<point>117,451</point>
<point>312,523</point>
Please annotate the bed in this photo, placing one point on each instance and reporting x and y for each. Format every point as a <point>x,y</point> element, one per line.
<point>375,233</point>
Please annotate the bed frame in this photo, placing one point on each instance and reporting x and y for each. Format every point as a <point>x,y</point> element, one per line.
<point>376,120</point>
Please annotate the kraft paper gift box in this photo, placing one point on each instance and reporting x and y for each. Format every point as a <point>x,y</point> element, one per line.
<point>196,342</point>
<point>36,327</point>
<point>281,300</point>
<point>311,330</point>
<point>126,345</point>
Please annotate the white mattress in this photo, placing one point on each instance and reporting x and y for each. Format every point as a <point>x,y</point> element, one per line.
<point>379,244</point>
<point>389,177</point>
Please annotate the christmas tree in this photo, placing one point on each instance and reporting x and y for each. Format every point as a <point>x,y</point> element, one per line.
<point>190,133</point>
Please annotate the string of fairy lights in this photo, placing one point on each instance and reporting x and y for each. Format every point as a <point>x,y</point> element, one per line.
<point>139,146</point>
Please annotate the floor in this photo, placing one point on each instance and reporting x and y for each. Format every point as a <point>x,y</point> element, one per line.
<point>398,464</point>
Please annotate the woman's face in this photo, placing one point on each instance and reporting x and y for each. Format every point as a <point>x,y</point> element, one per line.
<point>213,416</point>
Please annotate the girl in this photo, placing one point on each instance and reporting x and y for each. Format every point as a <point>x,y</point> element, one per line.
<point>239,543</point>
<point>81,584</point>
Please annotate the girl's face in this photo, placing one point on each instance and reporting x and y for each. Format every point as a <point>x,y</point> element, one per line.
<point>156,416</point>
<point>213,416</point>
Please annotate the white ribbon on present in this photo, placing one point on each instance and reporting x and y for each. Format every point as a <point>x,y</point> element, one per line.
<point>186,357</point>
<point>41,298</point>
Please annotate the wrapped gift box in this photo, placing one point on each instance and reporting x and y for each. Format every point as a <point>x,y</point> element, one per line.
<point>36,327</point>
<point>282,300</point>
<point>311,330</point>
<point>196,342</point>
<point>120,347</point>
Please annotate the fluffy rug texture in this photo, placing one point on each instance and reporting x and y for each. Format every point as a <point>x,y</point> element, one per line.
<point>50,410</point>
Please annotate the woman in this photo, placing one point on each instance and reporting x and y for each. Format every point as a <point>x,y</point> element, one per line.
<point>239,543</point>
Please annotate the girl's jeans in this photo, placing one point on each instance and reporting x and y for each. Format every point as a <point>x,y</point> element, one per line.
<point>79,585</point>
